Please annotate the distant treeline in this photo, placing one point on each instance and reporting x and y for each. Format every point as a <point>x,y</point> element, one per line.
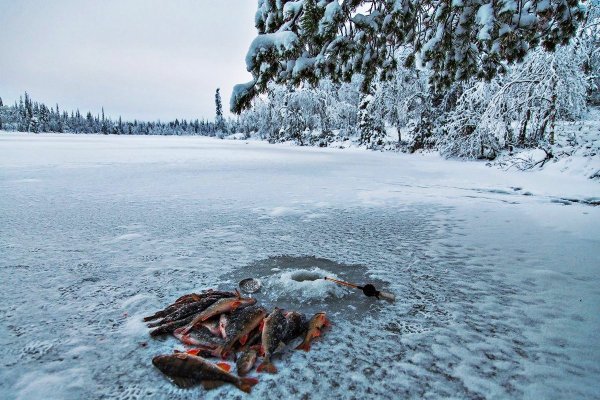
<point>27,115</point>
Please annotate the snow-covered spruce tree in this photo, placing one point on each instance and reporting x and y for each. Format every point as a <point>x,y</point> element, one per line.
<point>307,40</point>
<point>371,128</point>
<point>1,113</point>
<point>219,120</point>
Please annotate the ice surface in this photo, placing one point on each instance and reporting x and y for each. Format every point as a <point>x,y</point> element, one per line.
<point>497,283</point>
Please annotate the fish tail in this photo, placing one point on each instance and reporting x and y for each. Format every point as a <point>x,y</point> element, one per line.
<point>267,366</point>
<point>158,332</point>
<point>246,384</point>
<point>151,317</point>
<point>305,345</point>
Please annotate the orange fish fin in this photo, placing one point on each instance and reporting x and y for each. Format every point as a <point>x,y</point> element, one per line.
<point>184,383</point>
<point>261,325</point>
<point>316,333</point>
<point>244,339</point>
<point>224,366</point>
<point>246,384</point>
<point>268,367</point>
<point>193,352</point>
<point>235,305</point>
<point>208,385</point>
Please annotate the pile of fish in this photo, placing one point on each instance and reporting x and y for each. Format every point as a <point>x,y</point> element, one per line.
<point>223,324</point>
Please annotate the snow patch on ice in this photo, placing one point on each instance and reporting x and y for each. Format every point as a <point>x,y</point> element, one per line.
<point>134,326</point>
<point>127,236</point>
<point>315,216</point>
<point>25,180</point>
<point>284,211</point>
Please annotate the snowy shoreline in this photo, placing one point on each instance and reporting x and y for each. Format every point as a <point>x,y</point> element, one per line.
<point>563,189</point>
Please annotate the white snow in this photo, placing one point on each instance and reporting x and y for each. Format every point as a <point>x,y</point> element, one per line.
<point>496,274</point>
<point>280,42</point>
<point>292,8</point>
<point>485,18</point>
<point>284,211</point>
<point>333,11</point>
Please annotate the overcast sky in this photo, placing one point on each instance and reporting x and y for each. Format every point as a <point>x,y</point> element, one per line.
<point>143,59</point>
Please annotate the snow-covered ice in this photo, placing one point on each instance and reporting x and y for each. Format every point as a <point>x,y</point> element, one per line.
<point>496,274</point>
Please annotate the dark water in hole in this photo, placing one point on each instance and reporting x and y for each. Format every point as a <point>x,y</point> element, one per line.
<point>352,304</point>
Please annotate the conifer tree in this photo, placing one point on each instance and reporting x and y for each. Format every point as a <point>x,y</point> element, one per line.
<point>372,133</point>
<point>104,126</point>
<point>219,120</point>
<point>308,40</point>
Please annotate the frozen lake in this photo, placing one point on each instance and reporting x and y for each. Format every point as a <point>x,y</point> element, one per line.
<point>496,273</point>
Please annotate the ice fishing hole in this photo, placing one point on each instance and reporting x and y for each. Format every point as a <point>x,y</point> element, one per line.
<point>303,275</point>
<point>297,283</point>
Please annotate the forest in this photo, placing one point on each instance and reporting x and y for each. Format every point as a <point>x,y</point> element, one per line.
<point>407,106</point>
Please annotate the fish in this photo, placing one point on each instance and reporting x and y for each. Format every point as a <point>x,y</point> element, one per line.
<point>315,325</point>
<point>221,306</point>
<point>273,332</point>
<point>187,370</point>
<point>241,323</point>
<point>246,361</point>
<point>296,325</point>
<point>192,297</point>
<point>186,310</point>
<point>186,299</point>
<point>200,336</point>
<point>163,313</point>
<point>170,327</point>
